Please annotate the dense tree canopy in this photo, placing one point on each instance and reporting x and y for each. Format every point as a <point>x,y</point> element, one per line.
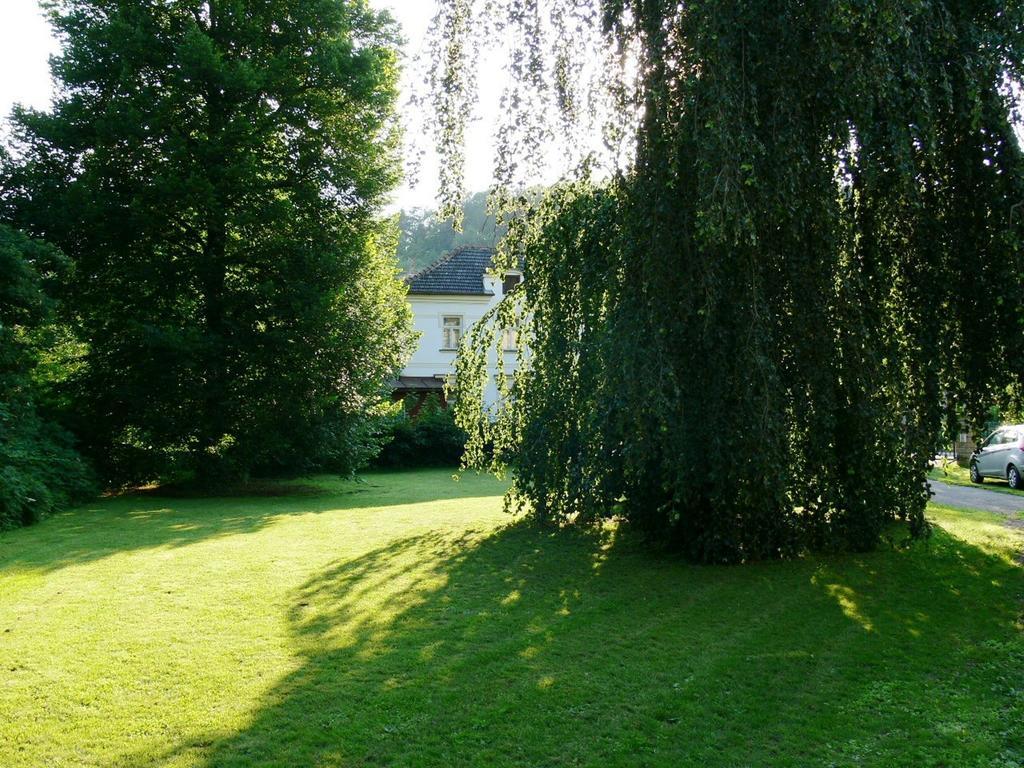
<point>214,170</point>
<point>747,339</point>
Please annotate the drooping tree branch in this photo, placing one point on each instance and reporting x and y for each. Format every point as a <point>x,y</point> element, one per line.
<point>750,338</point>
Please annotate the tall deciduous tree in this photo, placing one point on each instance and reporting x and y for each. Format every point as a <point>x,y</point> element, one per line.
<point>214,169</point>
<point>746,341</point>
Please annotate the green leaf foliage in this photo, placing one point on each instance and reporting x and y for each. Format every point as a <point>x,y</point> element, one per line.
<point>428,437</point>
<point>749,340</point>
<point>40,471</point>
<point>214,170</point>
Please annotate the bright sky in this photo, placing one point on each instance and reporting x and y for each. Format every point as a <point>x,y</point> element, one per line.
<point>26,44</point>
<point>415,16</point>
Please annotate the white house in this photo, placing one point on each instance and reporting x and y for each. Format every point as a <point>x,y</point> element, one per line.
<point>447,299</point>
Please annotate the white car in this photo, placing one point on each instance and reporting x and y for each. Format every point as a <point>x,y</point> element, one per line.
<point>1001,455</point>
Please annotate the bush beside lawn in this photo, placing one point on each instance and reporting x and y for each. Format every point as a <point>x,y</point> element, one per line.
<point>430,438</point>
<point>407,621</point>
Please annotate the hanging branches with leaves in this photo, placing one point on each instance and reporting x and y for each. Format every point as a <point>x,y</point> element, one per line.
<point>748,337</point>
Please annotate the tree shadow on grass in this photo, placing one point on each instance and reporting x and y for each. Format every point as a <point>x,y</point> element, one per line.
<point>534,648</point>
<point>133,522</point>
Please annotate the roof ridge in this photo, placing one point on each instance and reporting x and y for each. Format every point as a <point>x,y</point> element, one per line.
<point>446,258</point>
<point>459,272</point>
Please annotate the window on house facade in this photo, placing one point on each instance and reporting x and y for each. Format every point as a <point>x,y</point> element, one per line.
<point>511,282</point>
<point>451,331</point>
<point>507,382</point>
<point>509,340</point>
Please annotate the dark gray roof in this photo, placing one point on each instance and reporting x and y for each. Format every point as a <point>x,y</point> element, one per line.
<point>461,272</point>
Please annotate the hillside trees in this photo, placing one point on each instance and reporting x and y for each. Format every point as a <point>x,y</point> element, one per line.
<point>424,238</point>
<point>214,170</point>
<point>742,340</point>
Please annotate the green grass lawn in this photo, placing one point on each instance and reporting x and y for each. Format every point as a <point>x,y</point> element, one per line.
<point>407,621</point>
<point>954,474</point>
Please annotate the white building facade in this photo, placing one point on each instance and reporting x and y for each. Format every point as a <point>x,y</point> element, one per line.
<point>448,298</point>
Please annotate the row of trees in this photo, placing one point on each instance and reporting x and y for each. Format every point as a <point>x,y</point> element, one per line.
<point>747,339</point>
<point>222,295</point>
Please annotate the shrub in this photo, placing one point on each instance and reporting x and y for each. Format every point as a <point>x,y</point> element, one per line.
<point>429,439</point>
<point>39,468</point>
<point>40,472</point>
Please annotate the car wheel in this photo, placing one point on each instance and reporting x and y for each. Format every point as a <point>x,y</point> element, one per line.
<point>1014,479</point>
<point>975,474</point>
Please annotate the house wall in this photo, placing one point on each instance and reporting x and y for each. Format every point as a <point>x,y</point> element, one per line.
<point>430,359</point>
<point>963,447</point>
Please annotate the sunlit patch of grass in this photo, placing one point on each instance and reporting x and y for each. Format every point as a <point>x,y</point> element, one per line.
<point>846,598</point>
<point>987,531</point>
<point>407,621</point>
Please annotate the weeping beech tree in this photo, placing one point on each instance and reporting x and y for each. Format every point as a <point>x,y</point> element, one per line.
<point>806,264</point>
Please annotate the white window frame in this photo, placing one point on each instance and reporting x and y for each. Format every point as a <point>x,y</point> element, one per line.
<point>446,330</point>
<point>509,340</point>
